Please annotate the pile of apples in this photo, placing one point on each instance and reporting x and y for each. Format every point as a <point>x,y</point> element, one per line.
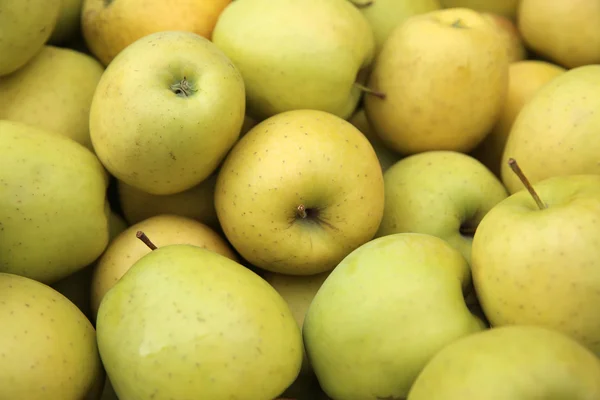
<point>300,199</point>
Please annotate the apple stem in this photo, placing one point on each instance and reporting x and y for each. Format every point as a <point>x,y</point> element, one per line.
<point>301,211</point>
<point>369,90</point>
<point>517,170</point>
<point>142,236</point>
<point>458,24</point>
<point>183,88</point>
<point>362,5</point>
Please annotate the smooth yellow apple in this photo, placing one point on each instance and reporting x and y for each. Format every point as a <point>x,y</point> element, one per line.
<point>515,48</point>
<point>506,8</point>
<point>444,75</point>
<point>297,54</point>
<point>109,26</point>
<point>125,249</point>
<point>524,79</point>
<point>300,191</point>
<point>556,131</point>
<point>47,346</point>
<point>563,31</point>
<point>68,24</point>
<point>54,92</point>
<point>510,363</point>
<point>166,112</point>
<point>54,211</point>
<point>26,27</point>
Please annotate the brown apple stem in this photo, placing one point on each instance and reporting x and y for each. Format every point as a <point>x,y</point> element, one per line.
<point>142,236</point>
<point>370,91</point>
<point>301,211</point>
<point>517,170</point>
<point>362,5</point>
<point>183,88</point>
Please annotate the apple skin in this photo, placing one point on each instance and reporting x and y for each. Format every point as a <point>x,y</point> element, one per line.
<point>508,363</point>
<point>154,139</point>
<point>297,54</point>
<point>439,193</point>
<point>542,267</point>
<point>505,8</point>
<point>515,47</point>
<point>301,158</point>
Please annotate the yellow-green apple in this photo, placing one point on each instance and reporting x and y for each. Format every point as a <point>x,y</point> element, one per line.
<point>53,207</point>
<point>47,346</point>
<point>506,8</point>
<point>385,15</point>
<point>556,131</point>
<point>383,312</point>
<point>441,193</point>
<point>297,54</point>
<point>513,42</point>
<point>26,27</point>
<point>563,31</point>
<point>536,258</point>
<point>54,92</point>
<point>509,363</point>
<point>386,156</point>
<point>197,203</point>
<point>300,191</point>
<point>524,79</point>
<point>109,26</point>
<point>166,111</point>
<point>186,321</point>
<point>68,24</point>
<point>125,249</point>
<point>429,107</point>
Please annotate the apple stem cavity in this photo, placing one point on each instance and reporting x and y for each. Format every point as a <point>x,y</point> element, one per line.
<point>183,88</point>
<point>142,236</point>
<point>365,4</point>
<point>517,170</point>
<point>370,91</point>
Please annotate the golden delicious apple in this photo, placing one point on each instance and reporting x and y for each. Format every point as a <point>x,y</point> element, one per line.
<point>26,26</point>
<point>53,206</point>
<point>47,346</point>
<point>297,54</point>
<point>166,112</point>
<point>186,322</point>
<point>125,249</point>
<point>109,26</point>
<point>513,42</point>
<point>300,191</point>
<point>385,15</point>
<point>441,193</point>
<point>68,24</point>
<point>444,75</point>
<point>556,131</point>
<point>54,92</point>
<point>506,8</point>
<point>383,312</point>
<point>524,79</point>
<point>540,263</point>
<point>510,363</point>
<point>566,32</point>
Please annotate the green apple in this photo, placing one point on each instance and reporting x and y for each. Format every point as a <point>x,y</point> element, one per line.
<point>444,92</point>
<point>68,24</point>
<point>556,131</point>
<point>26,27</point>
<point>442,193</point>
<point>186,322</point>
<point>53,207</point>
<point>166,111</point>
<point>197,203</point>
<point>297,54</point>
<point>538,262</point>
<point>47,346</point>
<point>510,363</point>
<point>54,92</point>
<point>383,312</point>
<point>385,15</point>
<point>506,8</point>
<point>300,191</point>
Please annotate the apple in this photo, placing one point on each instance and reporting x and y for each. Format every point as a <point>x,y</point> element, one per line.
<point>109,26</point>
<point>300,191</point>
<point>555,133</point>
<point>509,363</point>
<point>166,112</point>
<point>536,259</point>
<point>383,312</point>
<point>441,193</point>
<point>563,31</point>
<point>297,54</point>
<point>442,93</point>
